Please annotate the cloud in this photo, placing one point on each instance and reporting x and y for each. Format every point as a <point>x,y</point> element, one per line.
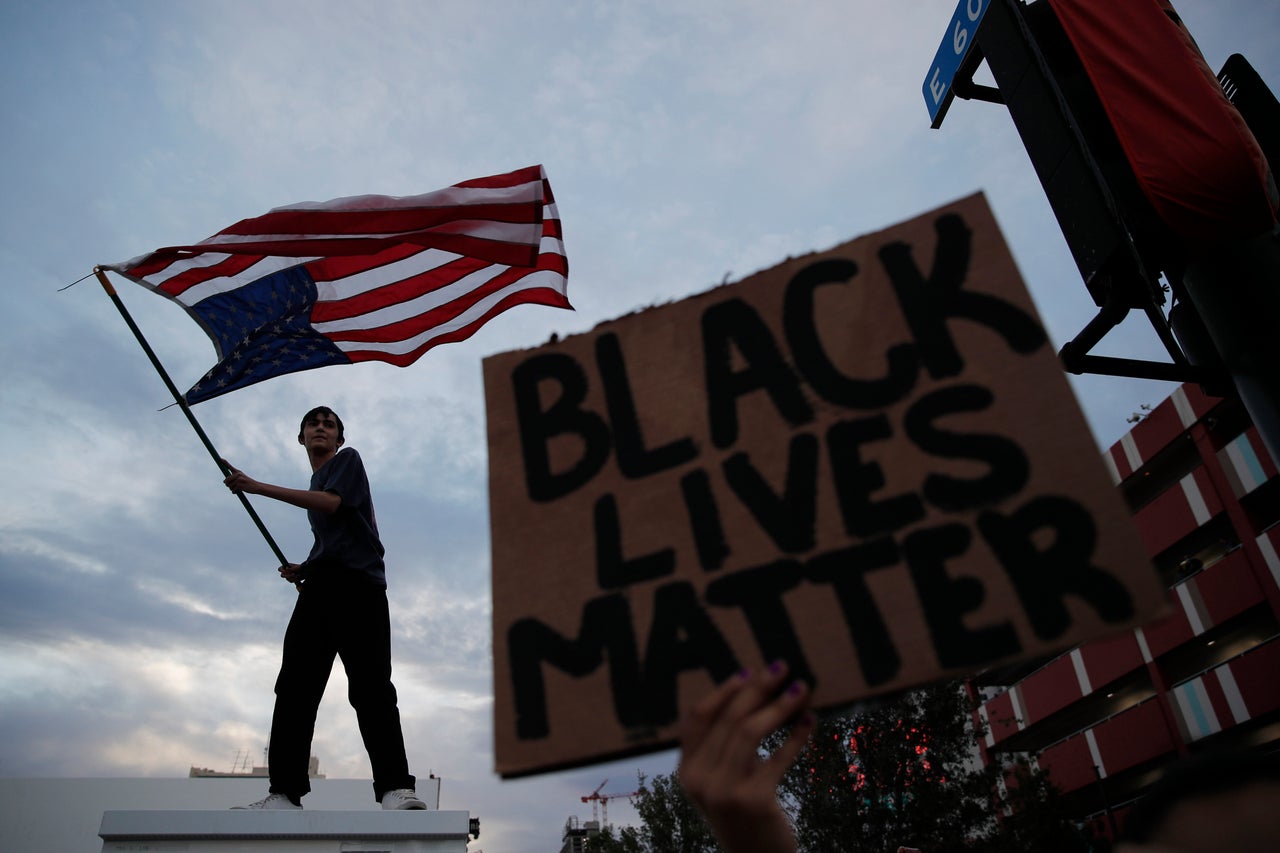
<point>23,546</point>
<point>140,610</point>
<point>152,708</point>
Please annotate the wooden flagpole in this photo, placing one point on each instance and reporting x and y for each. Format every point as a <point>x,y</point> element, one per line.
<point>186,410</point>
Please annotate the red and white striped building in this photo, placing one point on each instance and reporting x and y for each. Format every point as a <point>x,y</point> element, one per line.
<point>1105,718</point>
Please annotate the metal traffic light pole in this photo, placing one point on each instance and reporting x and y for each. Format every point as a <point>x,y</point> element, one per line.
<point>1224,328</point>
<point>1235,288</point>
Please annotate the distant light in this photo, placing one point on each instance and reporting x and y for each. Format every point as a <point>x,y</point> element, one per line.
<point>1109,695</point>
<point>1211,642</point>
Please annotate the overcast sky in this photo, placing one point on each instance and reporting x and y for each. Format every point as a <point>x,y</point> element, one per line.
<point>140,611</point>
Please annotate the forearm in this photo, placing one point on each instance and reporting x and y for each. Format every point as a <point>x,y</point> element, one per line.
<point>237,481</point>
<point>304,498</point>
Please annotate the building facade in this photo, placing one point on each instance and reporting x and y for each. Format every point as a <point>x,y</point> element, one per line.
<point>1104,719</point>
<point>577,836</point>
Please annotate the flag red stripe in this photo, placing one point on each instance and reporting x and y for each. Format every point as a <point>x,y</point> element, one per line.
<point>497,251</point>
<point>381,222</point>
<point>396,292</point>
<point>509,179</point>
<point>151,264</point>
<point>407,328</point>
<point>333,269</point>
<point>233,265</point>
<point>534,296</point>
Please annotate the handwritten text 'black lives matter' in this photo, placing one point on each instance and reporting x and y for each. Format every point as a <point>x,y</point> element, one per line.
<point>683,635</point>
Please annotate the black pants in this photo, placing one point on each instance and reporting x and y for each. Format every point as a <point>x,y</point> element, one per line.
<point>347,618</point>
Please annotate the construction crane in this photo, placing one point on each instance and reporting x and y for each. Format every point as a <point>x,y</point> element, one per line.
<point>600,802</point>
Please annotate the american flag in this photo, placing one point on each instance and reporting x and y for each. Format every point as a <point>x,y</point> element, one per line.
<point>362,278</point>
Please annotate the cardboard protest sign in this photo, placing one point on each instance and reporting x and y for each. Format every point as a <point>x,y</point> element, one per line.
<point>865,461</point>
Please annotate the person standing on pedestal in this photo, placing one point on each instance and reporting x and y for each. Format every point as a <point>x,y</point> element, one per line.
<point>341,612</point>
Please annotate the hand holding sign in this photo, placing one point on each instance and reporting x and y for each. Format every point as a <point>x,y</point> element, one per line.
<point>720,766</point>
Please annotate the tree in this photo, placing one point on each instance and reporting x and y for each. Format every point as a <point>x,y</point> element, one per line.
<point>897,772</point>
<point>625,840</point>
<point>901,772</point>
<point>670,823</point>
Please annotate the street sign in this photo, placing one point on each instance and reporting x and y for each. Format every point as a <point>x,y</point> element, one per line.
<point>950,56</point>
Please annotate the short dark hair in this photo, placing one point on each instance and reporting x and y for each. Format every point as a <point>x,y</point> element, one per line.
<point>316,412</point>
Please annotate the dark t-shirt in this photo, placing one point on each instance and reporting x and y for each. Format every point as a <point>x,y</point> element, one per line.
<point>346,540</point>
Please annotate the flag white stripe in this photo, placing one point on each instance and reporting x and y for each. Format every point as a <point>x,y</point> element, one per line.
<point>178,267</point>
<point>269,265</point>
<point>411,307</point>
<point>539,279</point>
<point>337,289</point>
<point>447,197</point>
<point>355,284</point>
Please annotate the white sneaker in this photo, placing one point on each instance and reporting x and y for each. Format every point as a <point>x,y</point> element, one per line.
<point>273,801</point>
<point>402,798</point>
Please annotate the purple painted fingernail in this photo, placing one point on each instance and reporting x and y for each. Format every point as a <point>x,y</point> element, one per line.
<point>795,688</point>
<point>743,674</point>
<point>776,667</point>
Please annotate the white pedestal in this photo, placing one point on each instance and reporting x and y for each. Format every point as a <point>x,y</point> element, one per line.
<point>304,831</point>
